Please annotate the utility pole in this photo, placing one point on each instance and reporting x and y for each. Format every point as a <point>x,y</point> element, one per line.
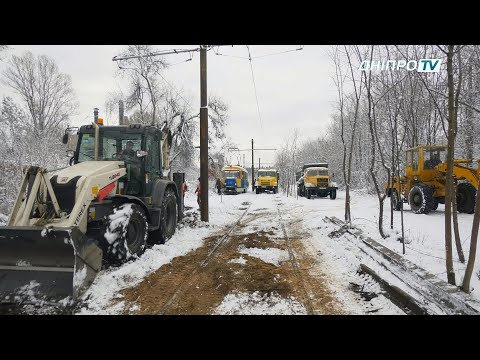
<point>203,135</point>
<point>253,181</point>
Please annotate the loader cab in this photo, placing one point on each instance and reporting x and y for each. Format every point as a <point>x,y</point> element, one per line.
<point>422,160</point>
<point>137,145</point>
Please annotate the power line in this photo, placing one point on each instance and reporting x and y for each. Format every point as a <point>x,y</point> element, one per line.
<point>255,88</point>
<point>257,57</point>
<point>278,53</point>
<point>156,53</point>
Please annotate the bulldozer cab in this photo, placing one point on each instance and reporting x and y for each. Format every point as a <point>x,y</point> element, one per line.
<point>137,145</point>
<point>422,160</point>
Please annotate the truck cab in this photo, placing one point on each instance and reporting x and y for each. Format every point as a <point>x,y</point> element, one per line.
<point>315,179</point>
<point>267,180</point>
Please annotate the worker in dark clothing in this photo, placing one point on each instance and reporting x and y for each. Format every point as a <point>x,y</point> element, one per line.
<point>218,185</point>
<point>128,151</point>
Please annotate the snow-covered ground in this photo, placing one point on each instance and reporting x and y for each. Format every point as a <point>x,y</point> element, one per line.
<point>338,258</point>
<point>424,234</point>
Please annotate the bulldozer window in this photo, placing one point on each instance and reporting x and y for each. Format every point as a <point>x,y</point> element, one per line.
<point>415,154</point>
<point>86,150</point>
<point>433,157</point>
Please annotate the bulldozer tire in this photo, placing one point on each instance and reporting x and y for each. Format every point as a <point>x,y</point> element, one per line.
<point>333,194</point>
<point>168,216</point>
<point>396,202</point>
<point>421,199</point>
<point>131,235</point>
<point>466,198</point>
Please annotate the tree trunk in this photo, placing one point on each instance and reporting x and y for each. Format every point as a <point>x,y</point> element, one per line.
<point>391,178</point>
<point>371,119</point>
<point>469,118</point>
<point>458,244</point>
<point>449,175</point>
<point>473,244</point>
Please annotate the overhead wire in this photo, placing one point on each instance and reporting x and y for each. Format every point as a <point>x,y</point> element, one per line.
<point>255,88</point>
<point>278,53</point>
<point>250,58</point>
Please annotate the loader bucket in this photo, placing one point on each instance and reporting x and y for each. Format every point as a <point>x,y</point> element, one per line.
<point>54,263</point>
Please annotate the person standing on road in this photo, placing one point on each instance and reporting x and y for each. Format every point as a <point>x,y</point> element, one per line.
<point>184,188</point>
<point>218,185</point>
<point>198,191</point>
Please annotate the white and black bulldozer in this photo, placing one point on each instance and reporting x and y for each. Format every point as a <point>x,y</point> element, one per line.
<point>103,209</point>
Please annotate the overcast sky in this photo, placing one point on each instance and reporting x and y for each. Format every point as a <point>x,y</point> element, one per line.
<point>294,89</point>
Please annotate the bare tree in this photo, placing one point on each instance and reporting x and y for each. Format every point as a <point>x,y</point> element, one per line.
<point>453,94</point>
<point>353,122</point>
<point>372,126</point>
<point>47,93</point>
<point>144,88</point>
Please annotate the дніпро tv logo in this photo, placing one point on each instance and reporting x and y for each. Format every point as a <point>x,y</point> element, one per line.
<point>422,65</point>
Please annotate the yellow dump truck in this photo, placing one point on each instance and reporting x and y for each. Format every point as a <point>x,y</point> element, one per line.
<point>315,179</point>
<point>267,180</point>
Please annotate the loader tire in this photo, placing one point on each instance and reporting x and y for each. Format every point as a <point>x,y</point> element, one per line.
<point>131,234</point>
<point>168,216</point>
<point>421,199</point>
<point>309,195</point>
<point>466,198</point>
<point>396,202</point>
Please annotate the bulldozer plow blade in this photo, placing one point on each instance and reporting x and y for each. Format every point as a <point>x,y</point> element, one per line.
<point>50,264</point>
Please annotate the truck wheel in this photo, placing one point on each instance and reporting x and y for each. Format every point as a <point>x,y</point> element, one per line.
<point>435,204</point>
<point>420,198</point>
<point>308,194</point>
<point>125,233</point>
<point>275,190</point>
<point>466,198</point>
<point>396,202</point>
<point>333,194</point>
<point>168,216</point>
<point>257,191</point>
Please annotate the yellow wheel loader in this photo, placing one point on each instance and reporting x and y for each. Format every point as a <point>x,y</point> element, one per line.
<point>68,223</point>
<point>423,186</point>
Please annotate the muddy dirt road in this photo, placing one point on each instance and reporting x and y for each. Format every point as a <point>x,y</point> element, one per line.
<point>255,266</point>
